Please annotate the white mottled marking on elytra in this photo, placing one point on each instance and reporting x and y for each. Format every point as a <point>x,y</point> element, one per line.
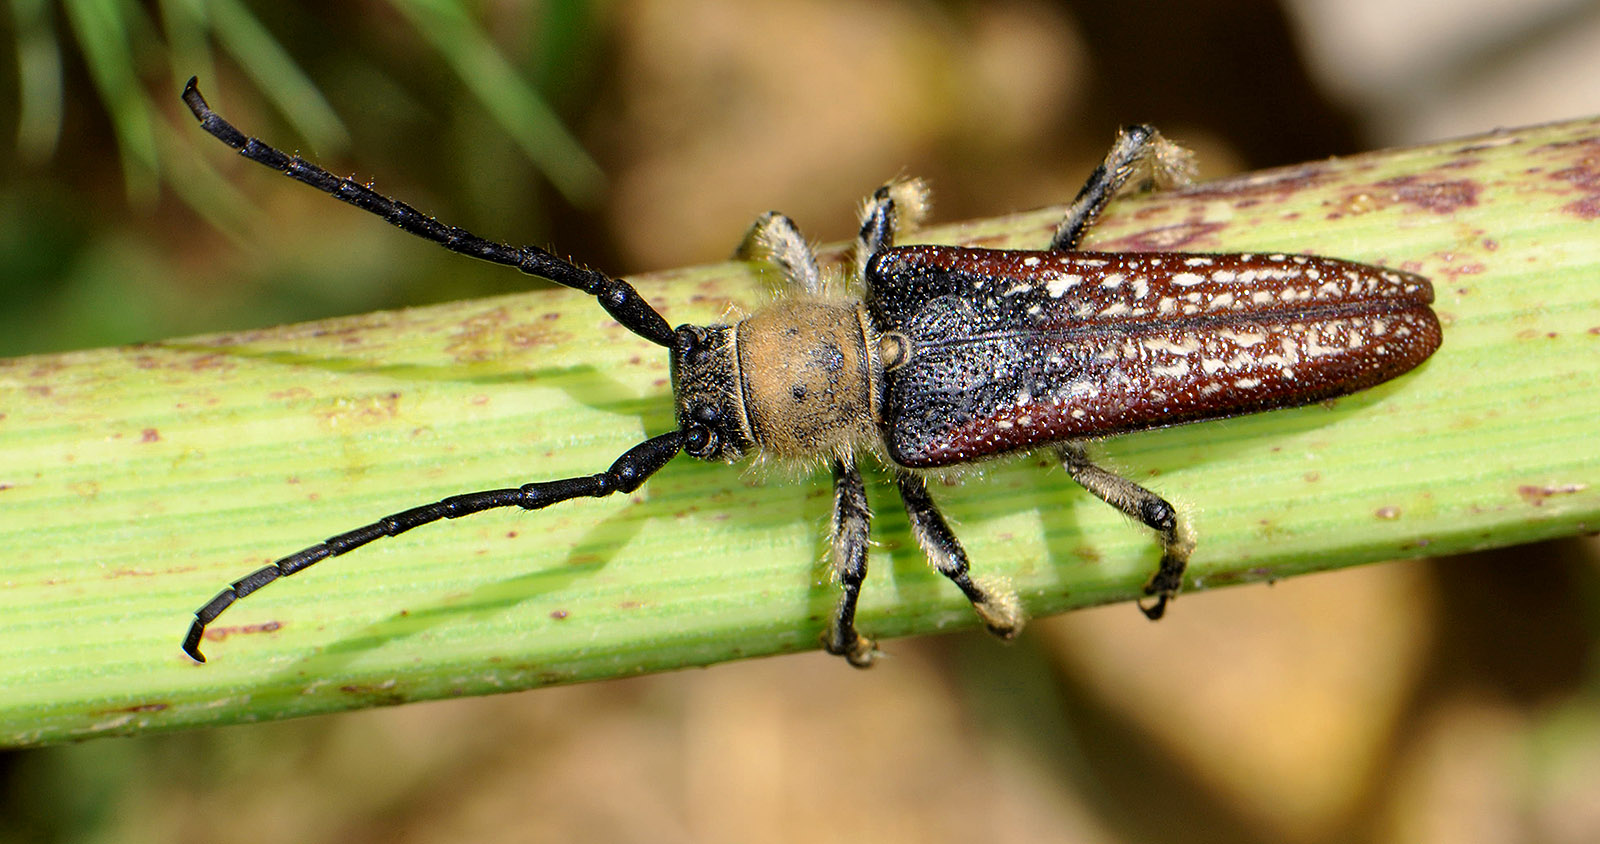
<point>1186,279</point>
<point>1035,309</point>
<point>1003,424</point>
<point>1024,421</point>
<point>1077,413</point>
<point>1247,277</point>
<point>1288,372</point>
<point>1244,338</point>
<point>1031,261</point>
<point>1313,347</point>
<point>1092,262</point>
<point>1210,387</point>
<point>1224,276</point>
<point>1177,370</point>
<point>1194,297</point>
<point>1167,305</point>
<point>1277,256</point>
<point>1083,309</point>
<point>1061,284</point>
<point>1155,262</point>
<point>1019,287</point>
<point>1247,383</point>
<point>1356,339</point>
<point>1211,366</point>
<point>1141,287</point>
<point>1379,327</point>
<point>1330,288</point>
<point>1156,395</point>
<point>1113,280</point>
<point>1197,262</point>
<point>1299,259</point>
<point>1116,309</point>
<point>1314,274</point>
<point>1161,344</point>
<point>1246,256</point>
<point>1191,309</point>
<point>1261,297</point>
<point>1023,398</point>
<point>1221,300</point>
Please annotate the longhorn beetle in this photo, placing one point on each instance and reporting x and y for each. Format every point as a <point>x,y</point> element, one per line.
<point>951,355</point>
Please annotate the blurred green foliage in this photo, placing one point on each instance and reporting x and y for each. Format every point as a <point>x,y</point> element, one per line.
<point>116,197</point>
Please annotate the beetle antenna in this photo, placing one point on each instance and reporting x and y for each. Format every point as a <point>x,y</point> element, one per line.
<point>618,297</point>
<point>626,475</point>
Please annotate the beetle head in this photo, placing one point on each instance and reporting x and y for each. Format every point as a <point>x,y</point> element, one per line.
<point>706,390</point>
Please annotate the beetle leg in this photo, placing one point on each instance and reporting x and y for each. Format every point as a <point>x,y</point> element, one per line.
<point>902,202</point>
<point>992,598</point>
<point>1147,507</point>
<point>1139,151</point>
<point>775,238</point>
<point>852,521</point>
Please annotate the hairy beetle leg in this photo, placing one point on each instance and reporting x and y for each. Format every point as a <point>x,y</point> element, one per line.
<point>774,238</point>
<point>852,520</point>
<point>897,205</point>
<point>1141,156</point>
<point>992,598</point>
<point>1148,508</point>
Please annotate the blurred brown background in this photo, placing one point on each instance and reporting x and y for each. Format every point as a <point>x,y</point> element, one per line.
<point>1442,701</point>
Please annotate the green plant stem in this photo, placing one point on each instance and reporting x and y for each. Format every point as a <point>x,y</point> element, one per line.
<point>137,482</point>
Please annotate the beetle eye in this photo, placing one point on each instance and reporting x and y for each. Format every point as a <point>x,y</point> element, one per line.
<point>705,414</point>
<point>699,440</point>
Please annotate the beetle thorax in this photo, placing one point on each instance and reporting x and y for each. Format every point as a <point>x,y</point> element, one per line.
<point>807,377</point>
<point>793,381</point>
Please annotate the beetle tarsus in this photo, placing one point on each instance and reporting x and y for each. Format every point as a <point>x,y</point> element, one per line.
<point>1140,156</point>
<point>1165,583</point>
<point>1142,504</point>
<point>858,650</point>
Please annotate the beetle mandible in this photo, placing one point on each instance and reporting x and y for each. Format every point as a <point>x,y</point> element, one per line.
<point>951,355</point>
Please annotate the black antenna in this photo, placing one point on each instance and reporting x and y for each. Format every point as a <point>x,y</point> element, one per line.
<point>619,298</point>
<point>626,475</point>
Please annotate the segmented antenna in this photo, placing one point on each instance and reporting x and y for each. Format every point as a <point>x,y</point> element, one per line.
<point>618,297</point>
<point>630,471</point>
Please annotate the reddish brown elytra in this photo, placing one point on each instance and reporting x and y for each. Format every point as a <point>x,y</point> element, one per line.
<point>950,355</point>
<point>1014,349</point>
